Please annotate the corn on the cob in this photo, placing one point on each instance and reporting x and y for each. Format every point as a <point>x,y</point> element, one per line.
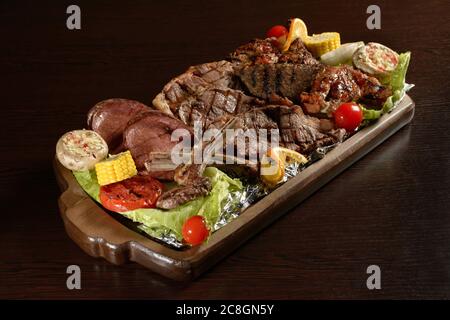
<point>320,44</point>
<point>116,168</point>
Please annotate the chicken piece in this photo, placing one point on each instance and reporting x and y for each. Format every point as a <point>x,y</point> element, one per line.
<point>336,85</point>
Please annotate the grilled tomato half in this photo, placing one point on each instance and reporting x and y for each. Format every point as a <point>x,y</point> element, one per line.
<point>130,194</point>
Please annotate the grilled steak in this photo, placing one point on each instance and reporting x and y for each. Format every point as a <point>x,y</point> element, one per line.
<point>202,94</point>
<point>193,83</point>
<point>214,104</point>
<point>180,195</point>
<point>255,52</point>
<point>148,135</point>
<point>265,52</point>
<point>219,74</point>
<point>268,73</point>
<point>251,123</point>
<point>336,85</point>
<point>267,81</point>
<point>304,133</point>
<point>109,119</point>
<point>192,185</point>
<point>297,54</point>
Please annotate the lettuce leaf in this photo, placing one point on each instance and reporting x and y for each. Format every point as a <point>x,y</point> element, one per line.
<point>88,181</point>
<point>371,114</point>
<point>396,82</point>
<point>398,77</point>
<point>157,222</point>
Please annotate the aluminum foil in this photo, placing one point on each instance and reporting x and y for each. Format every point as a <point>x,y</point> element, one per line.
<point>238,201</point>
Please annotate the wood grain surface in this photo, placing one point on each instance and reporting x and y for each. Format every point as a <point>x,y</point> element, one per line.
<point>100,234</point>
<point>390,209</point>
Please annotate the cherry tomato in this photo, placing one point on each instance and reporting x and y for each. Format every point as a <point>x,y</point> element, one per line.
<point>130,194</point>
<point>348,116</point>
<point>277,31</point>
<point>194,230</point>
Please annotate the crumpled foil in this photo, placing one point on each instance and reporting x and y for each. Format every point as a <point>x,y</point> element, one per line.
<point>238,201</point>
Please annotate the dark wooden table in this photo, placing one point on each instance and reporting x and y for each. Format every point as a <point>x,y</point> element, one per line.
<point>392,208</point>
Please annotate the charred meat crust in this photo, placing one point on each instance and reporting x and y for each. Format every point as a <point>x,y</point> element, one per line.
<point>191,185</point>
<point>333,86</point>
<point>180,195</point>
<point>283,80</point>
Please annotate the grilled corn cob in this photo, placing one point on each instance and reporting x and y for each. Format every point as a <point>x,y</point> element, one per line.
<point>319,44</point>
<point>116,168</point>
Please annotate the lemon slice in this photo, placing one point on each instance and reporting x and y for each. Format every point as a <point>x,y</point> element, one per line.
<point>291,156</point>
<point>273,164</point>
<point>272,168</point>
<point>297,29</point>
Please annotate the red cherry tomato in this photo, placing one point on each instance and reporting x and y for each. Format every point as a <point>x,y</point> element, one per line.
<point>194,230</point>
<point>130,194</point>
<point>277,31</point>
<point>348,116</point>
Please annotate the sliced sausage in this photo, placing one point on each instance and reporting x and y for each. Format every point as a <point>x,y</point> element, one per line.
<point>109,119</point>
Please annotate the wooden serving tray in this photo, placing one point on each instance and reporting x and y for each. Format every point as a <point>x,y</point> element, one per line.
<point>99,234</point>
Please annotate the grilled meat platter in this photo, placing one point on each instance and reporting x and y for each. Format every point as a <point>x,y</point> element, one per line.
<point>224,134</point>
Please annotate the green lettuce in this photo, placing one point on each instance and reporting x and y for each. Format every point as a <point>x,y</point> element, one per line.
<point>88,181</point>
<point>396,81</point>
<point>158,222</point>
<point>371,114</point>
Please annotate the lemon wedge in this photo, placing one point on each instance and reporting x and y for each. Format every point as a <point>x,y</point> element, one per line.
<point>297,29</point>
<point>273,164</point>
<point>291,156</point>
<point>272,168</point>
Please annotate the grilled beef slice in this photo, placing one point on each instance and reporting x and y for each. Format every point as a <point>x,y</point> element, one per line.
<point>109,119</point>
<point>192,83</point>
<point>268,81</point>
<point>304,133</point>
<point>268,73</point>
<point>214,104</point>
<point>191,98</point>
<point>191,185</point>
<point>180,195</point>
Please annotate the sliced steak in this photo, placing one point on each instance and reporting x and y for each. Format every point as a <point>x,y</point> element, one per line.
<point>218,74</point>
<point>304,133</point>
<point>191,186</point>
<point>109,119</point>
<point>149,135</point>
<point>193,83</point>
<point>214,104</point>
<point>180,195</point>
<point>267,73</point>
<point>269,81</point>
<point>256,128</point>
